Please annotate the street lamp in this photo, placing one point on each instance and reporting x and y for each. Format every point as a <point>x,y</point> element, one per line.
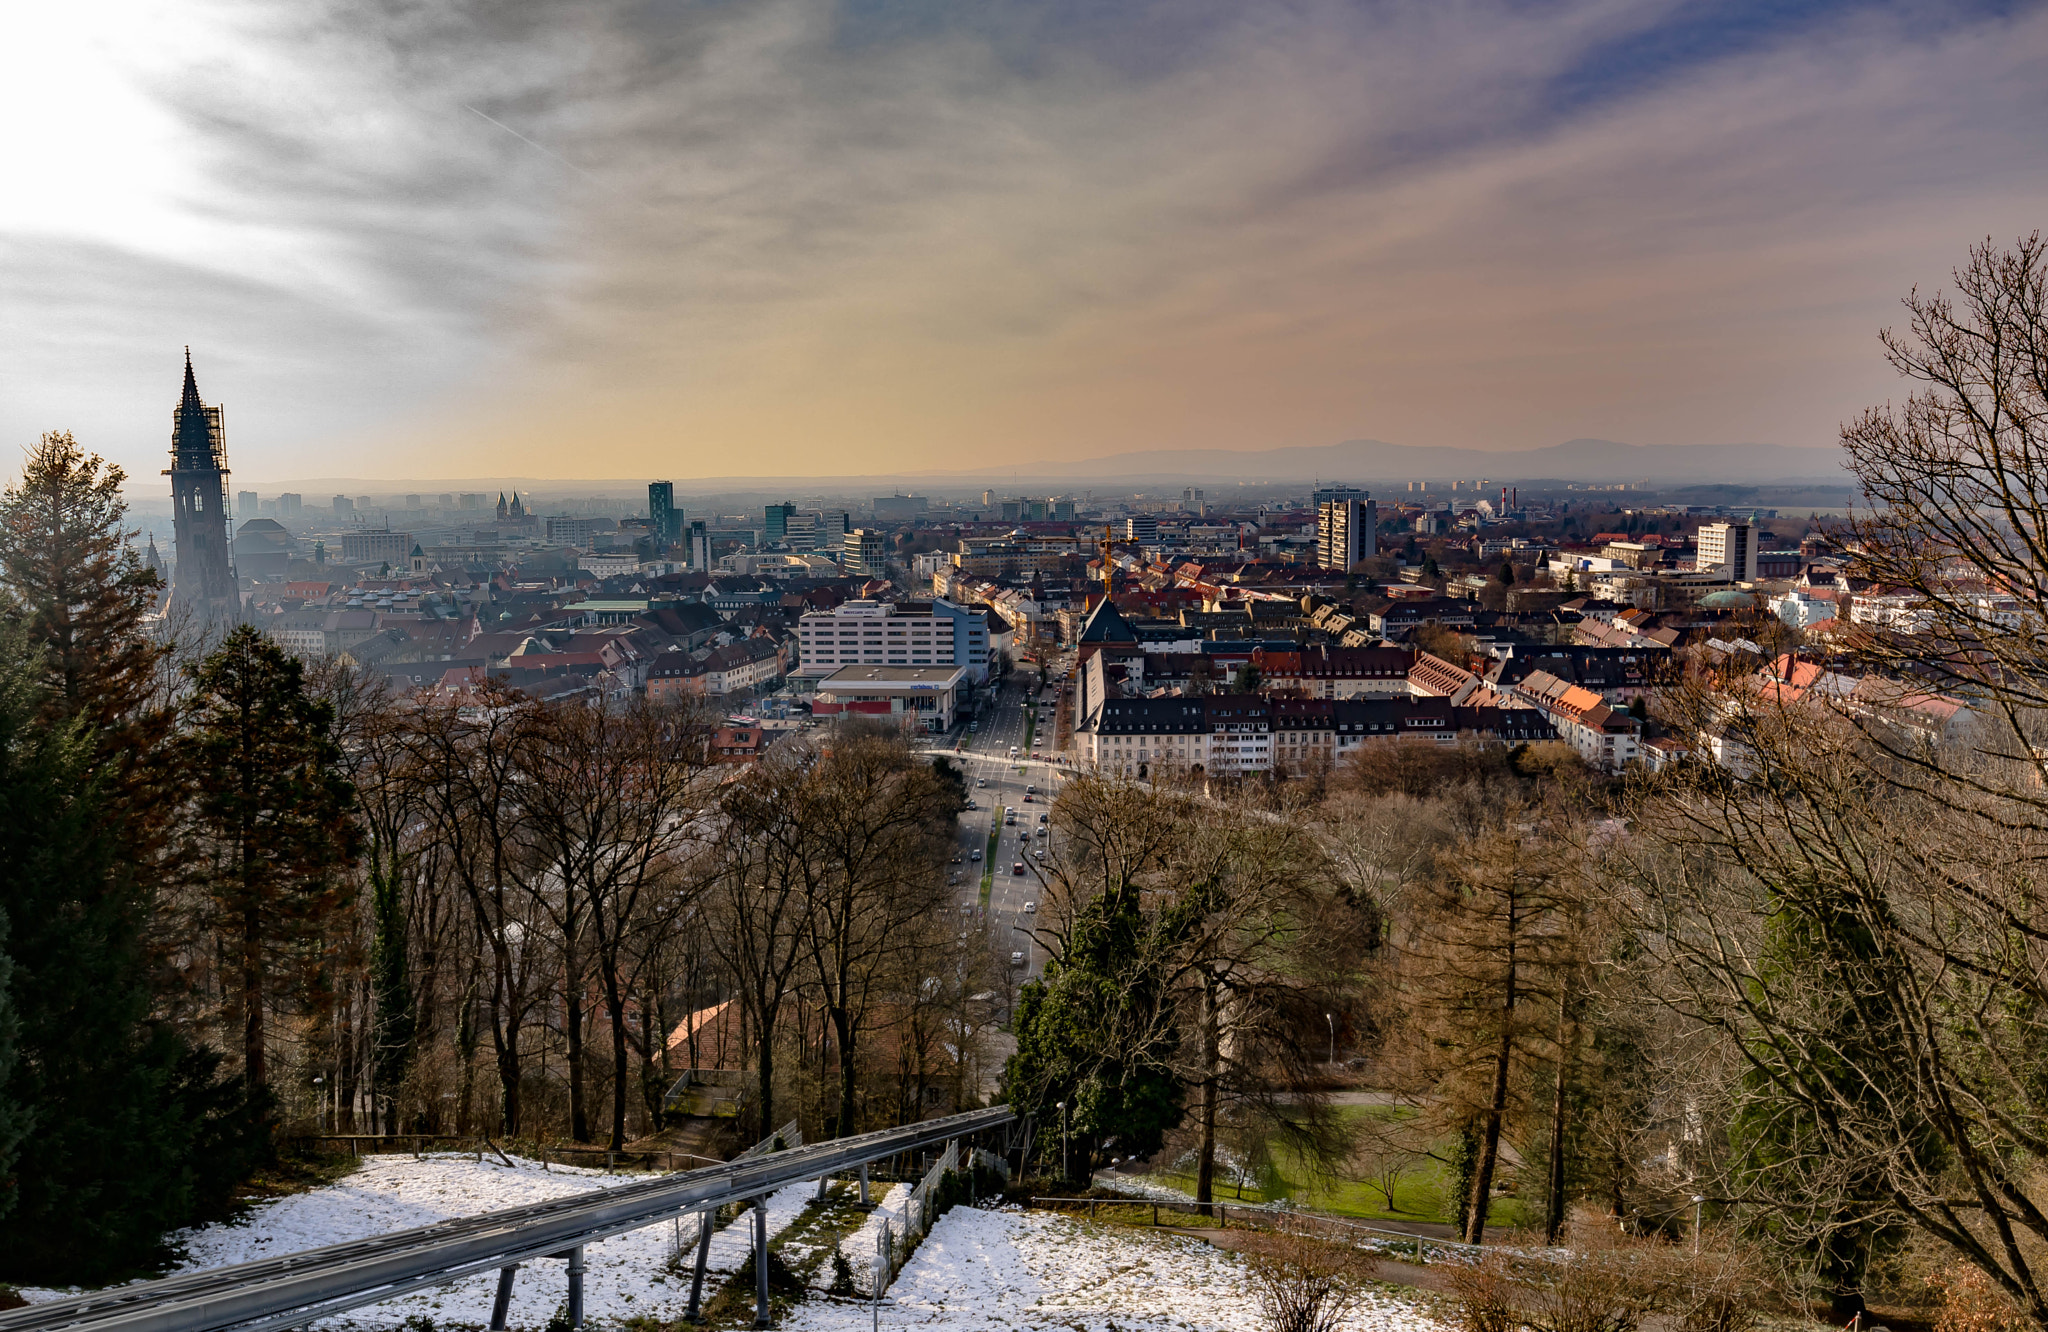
<point>1332,1020</point>
<point>1064,1173</point>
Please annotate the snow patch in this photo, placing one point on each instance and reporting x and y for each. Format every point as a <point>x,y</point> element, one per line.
<point>983,1271</point>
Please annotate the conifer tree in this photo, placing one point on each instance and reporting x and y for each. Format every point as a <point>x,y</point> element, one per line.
<point>135,1133</point>
<point>82,591</point>
<point>270,818</point>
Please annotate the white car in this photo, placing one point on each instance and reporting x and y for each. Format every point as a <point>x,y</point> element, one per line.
<point>1016,959</point>
<point>1031,908</point>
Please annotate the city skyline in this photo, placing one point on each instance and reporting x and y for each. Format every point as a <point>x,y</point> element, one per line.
<point>890,239</point>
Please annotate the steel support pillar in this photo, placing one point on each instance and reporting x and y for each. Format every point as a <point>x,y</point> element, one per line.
<point>703,1257</point>
<point>576,1286</point>
<point>761,1318</point>
<point>502,1306</point>
<point>863,1181</point>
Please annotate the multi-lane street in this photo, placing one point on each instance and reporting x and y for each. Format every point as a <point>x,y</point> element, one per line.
<point>1006,788</point>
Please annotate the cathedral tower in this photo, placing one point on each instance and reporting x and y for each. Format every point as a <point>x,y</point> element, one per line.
<point>202,581</point>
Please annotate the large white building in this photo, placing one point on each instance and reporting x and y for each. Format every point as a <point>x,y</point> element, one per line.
<point>1729,548</point>
<point>915,697</point>
<point>880,633</point>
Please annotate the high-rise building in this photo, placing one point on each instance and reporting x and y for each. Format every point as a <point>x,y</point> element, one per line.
<point>1192,500</point>
<point>203,581</point>
<point>412,501</point>
<point>1731,548</point>
<point>343,504</point>
<point>1347,529</point>
<point>1063,510</point>
<point>867,552</point>
<point>663,514</point>
<point>988,499</point>
<point>247,504</point>
<point>700,546</point>
<point>289,505</point>
<point>1142,528</point>
<point>1324,494</point>
<point>775,522</point>
<point>447,501</point>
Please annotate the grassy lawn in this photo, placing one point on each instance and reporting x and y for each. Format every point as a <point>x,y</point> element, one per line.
<point>1421,1187</point>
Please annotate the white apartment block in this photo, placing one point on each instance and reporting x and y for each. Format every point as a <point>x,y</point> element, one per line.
<point>880,633</point>
<point>1731,548</point>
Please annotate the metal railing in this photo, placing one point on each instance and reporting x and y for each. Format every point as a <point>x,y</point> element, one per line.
<point>292,1290</point>
<point>1269,1216</point>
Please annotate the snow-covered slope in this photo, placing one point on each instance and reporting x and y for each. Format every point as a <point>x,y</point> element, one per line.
<point>976,1272</point>
<point>988,1271</point>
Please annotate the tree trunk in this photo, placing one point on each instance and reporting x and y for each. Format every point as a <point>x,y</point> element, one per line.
<point>1205,1169</point>
<point>505,1041</point>
<point>1489,1142</point>
<point>579,1114</point>
<point>615,1009</point>
<point>842,1027</point>
<point>1553,1212</point>
<point>254,1067</point>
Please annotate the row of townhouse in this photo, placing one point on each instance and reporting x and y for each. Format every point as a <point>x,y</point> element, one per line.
<point>1606,737</point>
<point>1236,733</point>
<point>713,672</point>
<point>1336,672</point>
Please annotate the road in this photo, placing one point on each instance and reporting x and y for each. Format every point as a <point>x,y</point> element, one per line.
<point>1000,785</point>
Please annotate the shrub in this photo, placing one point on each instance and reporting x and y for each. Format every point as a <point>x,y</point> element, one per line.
<point>1303,1285</point>
<point>1970,1303</point>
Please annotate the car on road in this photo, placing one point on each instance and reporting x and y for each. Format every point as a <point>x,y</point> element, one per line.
<point>1016,959</point>
<point>1017,868</point>
<point>1014,751</point>
<point>1031,908</point>
<point>1010,819</point>
<point>1040,853</point>
<point>975,854</point>
<point>981,781</point>
<point>1045,818</point>
<point>1030,790</point>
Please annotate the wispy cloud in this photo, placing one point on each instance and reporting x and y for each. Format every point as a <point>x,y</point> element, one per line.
<point>812,238</point>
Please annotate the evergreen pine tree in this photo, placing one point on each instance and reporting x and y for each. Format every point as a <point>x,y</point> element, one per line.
<point>82,590</point>
<point>134,1131</point>
<point>1090,1034</point>
<point>270,821</point>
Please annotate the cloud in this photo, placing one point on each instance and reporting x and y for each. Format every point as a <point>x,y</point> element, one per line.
<point>790,236</point>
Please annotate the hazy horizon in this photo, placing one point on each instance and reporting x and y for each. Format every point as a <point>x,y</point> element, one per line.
<point>885,237</point>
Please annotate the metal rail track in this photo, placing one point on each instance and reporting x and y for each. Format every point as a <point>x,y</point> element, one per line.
<point>292,1290</point>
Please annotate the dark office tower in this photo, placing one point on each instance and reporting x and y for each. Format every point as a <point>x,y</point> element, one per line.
<point>662,512</point>
<point>775,526</point>
<point>202,581</point>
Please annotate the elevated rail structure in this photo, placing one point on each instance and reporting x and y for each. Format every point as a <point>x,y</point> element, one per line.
<point>296,1289</point>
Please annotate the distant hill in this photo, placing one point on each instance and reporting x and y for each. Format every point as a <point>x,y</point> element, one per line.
<point>1371,460</point>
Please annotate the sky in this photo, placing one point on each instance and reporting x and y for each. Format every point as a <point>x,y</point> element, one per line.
<point>420,239</point>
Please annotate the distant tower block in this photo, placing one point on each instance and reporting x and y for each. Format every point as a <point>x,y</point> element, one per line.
<point>202,580</point>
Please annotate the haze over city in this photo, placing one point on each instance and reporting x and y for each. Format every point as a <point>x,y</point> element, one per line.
<point>804,239</point>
